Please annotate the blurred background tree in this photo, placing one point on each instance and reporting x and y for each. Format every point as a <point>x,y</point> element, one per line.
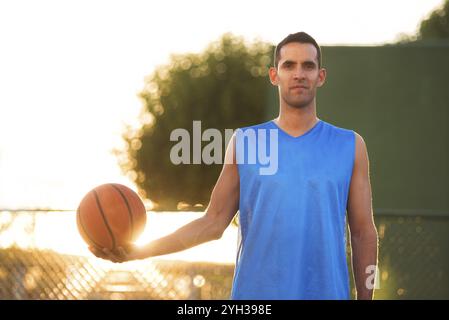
<point>437,25</point>
<point>226,86</point>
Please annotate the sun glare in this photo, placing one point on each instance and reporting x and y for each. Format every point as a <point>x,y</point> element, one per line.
<point>57,231</point>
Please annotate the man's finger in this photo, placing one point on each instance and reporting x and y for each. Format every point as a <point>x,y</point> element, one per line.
<point>111,255</point>
<point>98,253</point>
<point>122,252</point>
<point>93,250</point>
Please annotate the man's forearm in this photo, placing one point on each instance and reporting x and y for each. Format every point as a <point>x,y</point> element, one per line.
<point>364,263</point>
<point>194,233</point>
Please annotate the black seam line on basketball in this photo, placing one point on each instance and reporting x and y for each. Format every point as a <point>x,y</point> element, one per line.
<point>78,216</point>
<point>131,220</point>
<point>105,219</point>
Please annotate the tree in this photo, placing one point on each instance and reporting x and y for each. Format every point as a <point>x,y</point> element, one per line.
<point>437,25</point>
<point>225,87</point>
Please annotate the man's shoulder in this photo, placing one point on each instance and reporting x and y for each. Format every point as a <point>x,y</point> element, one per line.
<point>337,130</point>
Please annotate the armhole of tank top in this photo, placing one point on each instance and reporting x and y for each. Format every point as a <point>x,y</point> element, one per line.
<point>350,177</point>
<point>239,243</point>
<point>353,153</point>
<point>236,132</point>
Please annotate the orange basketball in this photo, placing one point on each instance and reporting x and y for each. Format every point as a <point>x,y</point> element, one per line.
<point>110,216</point>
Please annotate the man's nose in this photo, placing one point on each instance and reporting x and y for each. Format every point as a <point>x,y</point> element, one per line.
<point>298,73</point>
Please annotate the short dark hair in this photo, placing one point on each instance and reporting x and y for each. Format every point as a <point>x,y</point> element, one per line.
<point>300,37</point>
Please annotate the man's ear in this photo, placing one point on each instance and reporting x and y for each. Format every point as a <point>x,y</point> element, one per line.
<point>321,77</point>
<point>272,72</point>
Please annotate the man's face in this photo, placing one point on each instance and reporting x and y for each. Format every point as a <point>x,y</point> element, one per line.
<point>298,74</point>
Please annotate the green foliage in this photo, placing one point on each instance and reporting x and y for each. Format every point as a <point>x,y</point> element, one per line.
<point>437,25</point>
<point>226,86</point>
<point>434,29</point>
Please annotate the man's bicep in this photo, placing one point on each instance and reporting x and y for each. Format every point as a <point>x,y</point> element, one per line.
<point>360,201</point>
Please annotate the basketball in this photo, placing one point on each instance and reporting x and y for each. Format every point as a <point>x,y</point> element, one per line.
<point>110,216</point>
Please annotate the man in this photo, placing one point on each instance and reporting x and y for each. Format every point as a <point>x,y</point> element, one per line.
<point>292,222</point>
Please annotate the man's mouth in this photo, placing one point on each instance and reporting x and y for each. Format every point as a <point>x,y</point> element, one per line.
<point>299,87</point>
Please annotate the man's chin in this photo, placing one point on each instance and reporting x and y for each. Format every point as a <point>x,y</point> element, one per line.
<point>300,104</point>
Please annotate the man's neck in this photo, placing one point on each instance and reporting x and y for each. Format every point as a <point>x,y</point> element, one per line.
<point>296,121</point>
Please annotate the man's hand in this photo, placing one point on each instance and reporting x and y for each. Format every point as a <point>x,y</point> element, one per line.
<point>119,255</point>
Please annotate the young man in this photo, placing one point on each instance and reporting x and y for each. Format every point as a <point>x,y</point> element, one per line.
<point>292,221</point>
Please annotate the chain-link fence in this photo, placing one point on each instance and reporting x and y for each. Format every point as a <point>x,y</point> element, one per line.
<point>34,264</point>
<point>43,274</point>
<point>413,255</point>
<point>413,264</point>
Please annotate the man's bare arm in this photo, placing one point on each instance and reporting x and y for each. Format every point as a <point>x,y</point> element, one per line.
<point>222,208</point>
<point>361,224</point>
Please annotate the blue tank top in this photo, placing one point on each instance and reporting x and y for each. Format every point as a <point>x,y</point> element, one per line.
<point>292,232</point>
